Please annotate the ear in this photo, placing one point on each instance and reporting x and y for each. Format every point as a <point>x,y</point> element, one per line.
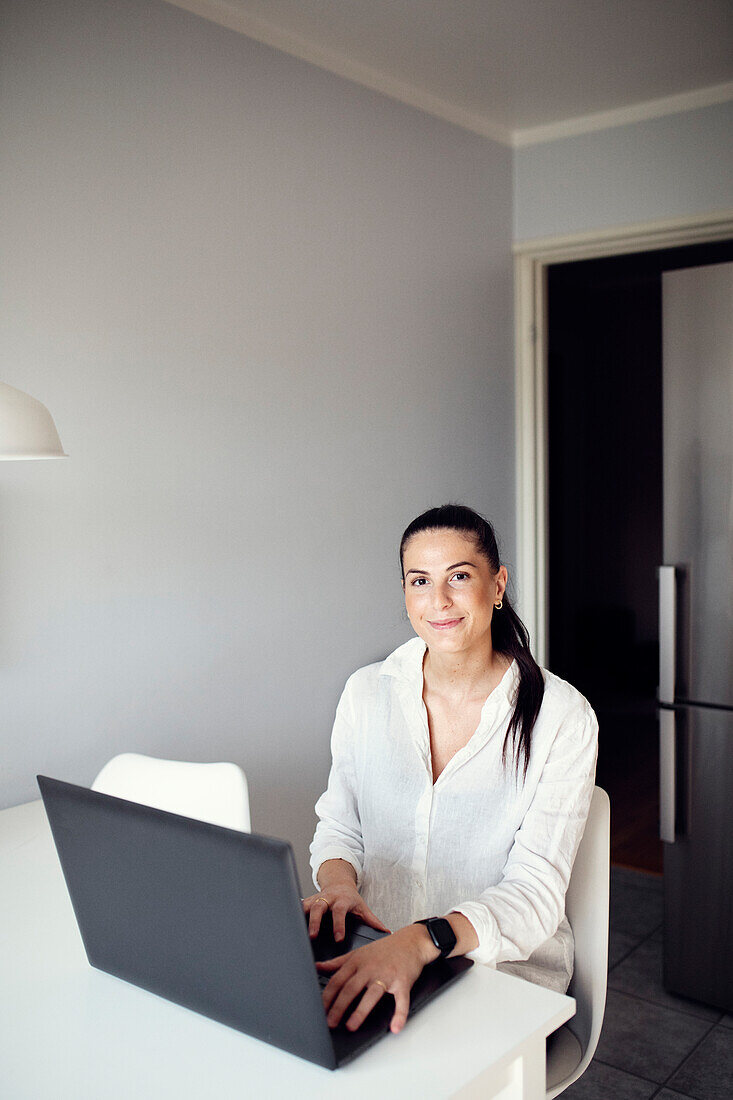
<point>502,579</point>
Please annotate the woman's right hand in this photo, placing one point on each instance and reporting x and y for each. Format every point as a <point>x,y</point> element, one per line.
<point>341,898</point>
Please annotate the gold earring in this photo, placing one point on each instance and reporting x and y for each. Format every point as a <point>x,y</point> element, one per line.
<point>499,605</point>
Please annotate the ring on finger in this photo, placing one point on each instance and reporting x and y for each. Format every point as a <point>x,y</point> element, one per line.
<point>321,898</point>
<point>378,981</point>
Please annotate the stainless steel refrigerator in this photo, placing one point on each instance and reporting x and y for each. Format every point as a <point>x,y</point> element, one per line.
<point>696,634</point>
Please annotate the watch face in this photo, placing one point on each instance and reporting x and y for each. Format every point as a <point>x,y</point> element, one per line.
<point>442,934</point>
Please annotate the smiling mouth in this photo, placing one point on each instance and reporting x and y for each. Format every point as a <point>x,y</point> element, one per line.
<point>445,624</point>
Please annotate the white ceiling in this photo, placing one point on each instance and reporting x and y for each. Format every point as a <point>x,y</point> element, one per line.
<point>515,70</point>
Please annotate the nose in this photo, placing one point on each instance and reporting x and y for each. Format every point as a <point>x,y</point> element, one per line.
<point>441,596</point>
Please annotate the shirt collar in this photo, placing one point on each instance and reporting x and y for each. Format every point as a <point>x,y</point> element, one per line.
<point>405,663</point>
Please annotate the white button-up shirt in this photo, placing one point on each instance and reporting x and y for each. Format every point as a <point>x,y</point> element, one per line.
<point>481,840</point>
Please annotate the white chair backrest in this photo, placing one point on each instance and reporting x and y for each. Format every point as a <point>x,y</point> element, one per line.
<point>208,792</point>
<point>586,906</point>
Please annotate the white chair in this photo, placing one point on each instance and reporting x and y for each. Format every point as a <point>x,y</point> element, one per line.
<point>571,1048</point>
<point>216,793</point>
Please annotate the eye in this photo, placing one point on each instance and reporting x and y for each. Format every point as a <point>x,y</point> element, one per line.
<point>460,576</point>
<point>419,582</point>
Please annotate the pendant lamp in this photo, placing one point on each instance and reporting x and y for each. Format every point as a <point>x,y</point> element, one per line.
<point>27,429</point>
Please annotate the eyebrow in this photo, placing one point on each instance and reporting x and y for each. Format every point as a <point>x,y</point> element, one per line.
<point>455,566</point>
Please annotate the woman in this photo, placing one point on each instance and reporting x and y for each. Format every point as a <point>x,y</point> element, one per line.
<point>461,780</point>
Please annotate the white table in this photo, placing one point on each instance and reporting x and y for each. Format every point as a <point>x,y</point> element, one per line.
<point>69,1032</point>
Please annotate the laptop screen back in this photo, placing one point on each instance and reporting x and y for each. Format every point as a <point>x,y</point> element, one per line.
<point>205,916</point>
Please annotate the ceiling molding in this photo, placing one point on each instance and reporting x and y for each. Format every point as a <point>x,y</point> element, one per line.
<point>235,18</point>
<point>637,112</point>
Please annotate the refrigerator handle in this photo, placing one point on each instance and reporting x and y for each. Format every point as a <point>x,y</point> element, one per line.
<point>667,775</point>
<point>667,631</point>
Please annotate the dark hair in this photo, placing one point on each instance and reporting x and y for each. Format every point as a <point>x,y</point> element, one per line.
<point>509,635</point>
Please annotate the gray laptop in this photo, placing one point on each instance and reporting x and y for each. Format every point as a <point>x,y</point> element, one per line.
<point>210,918</point>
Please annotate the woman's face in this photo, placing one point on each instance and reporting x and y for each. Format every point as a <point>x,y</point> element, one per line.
<point>450,590</point>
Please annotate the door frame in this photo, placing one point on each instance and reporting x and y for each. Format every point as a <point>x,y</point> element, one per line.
<point>531,260</point>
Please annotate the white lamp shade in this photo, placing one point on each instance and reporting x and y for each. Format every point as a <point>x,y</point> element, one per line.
<point>27,429</point>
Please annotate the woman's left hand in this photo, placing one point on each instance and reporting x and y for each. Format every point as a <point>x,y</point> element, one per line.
<point>389,965</point>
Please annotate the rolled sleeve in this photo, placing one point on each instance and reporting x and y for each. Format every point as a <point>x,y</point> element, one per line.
<point>524,909</point>
<point>338,833</point>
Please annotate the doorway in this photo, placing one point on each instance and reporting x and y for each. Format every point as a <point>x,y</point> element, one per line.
<point>604,514</point>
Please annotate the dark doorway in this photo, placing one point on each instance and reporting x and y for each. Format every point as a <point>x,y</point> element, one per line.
<point>605,515</point>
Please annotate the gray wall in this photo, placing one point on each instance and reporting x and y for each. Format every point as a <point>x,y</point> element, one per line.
<point>271,314</point>
<point>668,167</point>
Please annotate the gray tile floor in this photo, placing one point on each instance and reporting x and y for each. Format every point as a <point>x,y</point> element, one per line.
<point>653,1045</point>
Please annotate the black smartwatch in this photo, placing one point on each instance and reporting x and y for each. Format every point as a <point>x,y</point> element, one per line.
<point>440,933</point>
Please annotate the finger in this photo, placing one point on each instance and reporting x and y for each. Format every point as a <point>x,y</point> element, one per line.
<point>339,921</point>
<point>338,978</point>
<point>368,917</point>
<point>334,964</point>
<point>402,1007</point>
<point>351,989</point>
<point>315,917</point>
<point>371,996</point>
